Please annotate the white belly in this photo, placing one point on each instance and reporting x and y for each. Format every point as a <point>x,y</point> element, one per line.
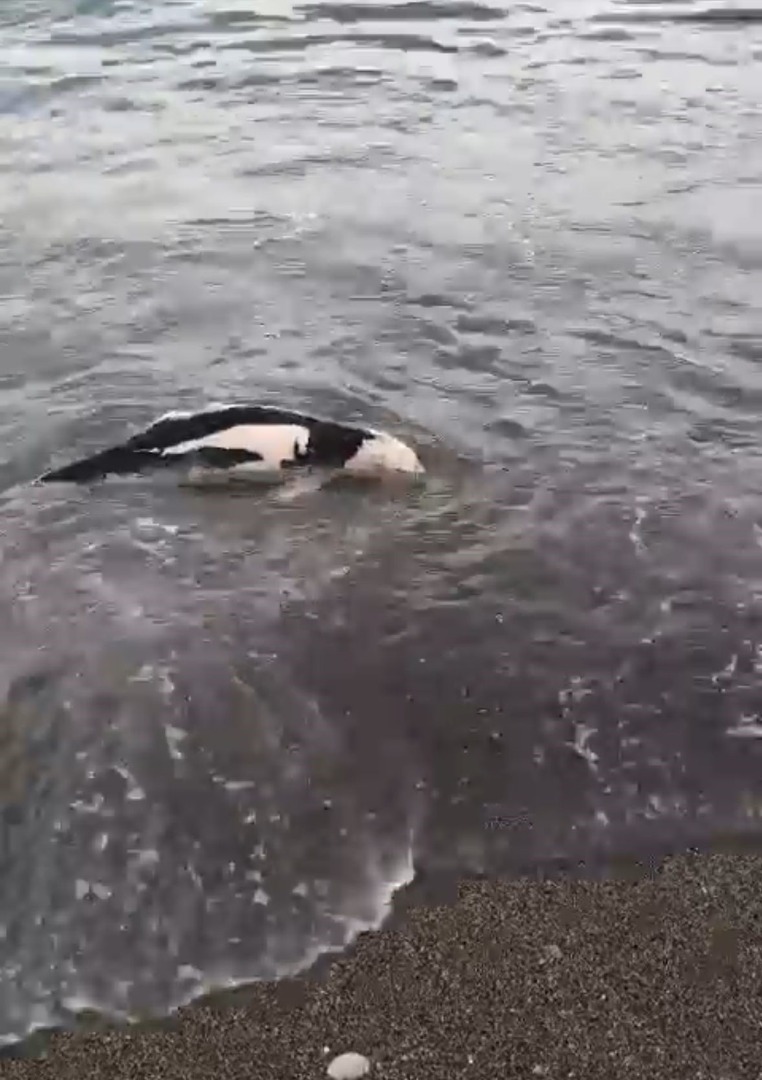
<point>275,443</point>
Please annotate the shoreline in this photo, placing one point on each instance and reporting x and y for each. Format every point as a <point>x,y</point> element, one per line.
<point>636,968</point>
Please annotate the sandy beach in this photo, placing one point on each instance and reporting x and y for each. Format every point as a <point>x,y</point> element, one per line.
<point>654,972</point>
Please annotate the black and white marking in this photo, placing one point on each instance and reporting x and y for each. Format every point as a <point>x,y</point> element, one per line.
<point>245,439</point>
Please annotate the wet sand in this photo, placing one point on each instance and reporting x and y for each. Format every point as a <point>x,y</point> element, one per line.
<point>653,972</point>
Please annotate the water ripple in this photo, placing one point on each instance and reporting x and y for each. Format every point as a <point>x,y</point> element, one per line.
<point>525,238</point>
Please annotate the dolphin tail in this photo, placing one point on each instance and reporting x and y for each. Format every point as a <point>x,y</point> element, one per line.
<point>118,461</point>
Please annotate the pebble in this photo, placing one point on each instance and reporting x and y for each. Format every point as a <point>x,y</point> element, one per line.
<point>349,1066</point>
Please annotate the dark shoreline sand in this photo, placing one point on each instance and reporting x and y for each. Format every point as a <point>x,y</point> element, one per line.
<point>652,971</point>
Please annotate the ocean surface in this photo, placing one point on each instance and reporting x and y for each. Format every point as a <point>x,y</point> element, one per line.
<point>527,237</point>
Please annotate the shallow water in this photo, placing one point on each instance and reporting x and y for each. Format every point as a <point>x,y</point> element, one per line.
<point>525,236</point>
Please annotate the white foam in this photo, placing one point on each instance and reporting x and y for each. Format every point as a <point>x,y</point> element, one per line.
<point>144,856</point>
<point>727,671</point>
<point>149,523</point>
<point>582,735</point>
<point>83,888</point>
<point>82,807</point>
<point>636,532</point>
<point>386,885</point>
<point>79,1003</point>
<point>174,737</point>
<point>188,971</point>
<point>135,792</point>
<point>748,727</point>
